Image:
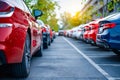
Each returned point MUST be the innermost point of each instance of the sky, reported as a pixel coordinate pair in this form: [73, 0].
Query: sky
[70, 6]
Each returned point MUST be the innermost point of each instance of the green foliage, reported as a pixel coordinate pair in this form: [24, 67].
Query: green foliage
[101, 2]
[53, 22]
[48, 8]
[110, 6]
[28, 2]
[66, 19]
[72, 21]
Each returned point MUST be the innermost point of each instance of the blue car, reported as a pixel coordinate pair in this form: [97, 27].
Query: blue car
[109, 33]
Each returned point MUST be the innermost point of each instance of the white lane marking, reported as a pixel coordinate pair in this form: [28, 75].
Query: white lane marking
[109, 65]
[117, 78]
[91, 61]
[98, 56]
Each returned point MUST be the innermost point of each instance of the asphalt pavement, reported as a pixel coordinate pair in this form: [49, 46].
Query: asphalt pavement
[70, 59]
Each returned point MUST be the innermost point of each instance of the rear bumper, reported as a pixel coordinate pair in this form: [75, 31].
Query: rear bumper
[12, 45]
[115, 44]
[102, 43]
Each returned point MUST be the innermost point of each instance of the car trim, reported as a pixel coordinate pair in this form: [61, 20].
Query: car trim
[5, 25]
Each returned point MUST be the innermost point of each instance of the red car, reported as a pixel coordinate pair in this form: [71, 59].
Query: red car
[20, 36]
[87, 30]
[51, 33]
[45, 33]
[93, 32]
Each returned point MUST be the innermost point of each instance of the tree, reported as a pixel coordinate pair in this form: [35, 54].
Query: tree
[66, 19]
[48, 8]
[53, 22]
[71, 21]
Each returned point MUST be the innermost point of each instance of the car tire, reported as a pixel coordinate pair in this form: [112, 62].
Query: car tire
[45, 45]
[116, 51]
[52, 40]
[49, 41]
[23, 69]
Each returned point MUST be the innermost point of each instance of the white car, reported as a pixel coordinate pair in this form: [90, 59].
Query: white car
[79, 31]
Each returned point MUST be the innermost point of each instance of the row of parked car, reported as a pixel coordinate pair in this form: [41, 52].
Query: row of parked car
[104, 32]
[22, 35]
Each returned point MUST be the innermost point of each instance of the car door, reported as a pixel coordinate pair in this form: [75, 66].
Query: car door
[35, 33]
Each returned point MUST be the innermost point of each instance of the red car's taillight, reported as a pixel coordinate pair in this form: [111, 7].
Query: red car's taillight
[109, 25]
[5, 9]
[44, 30]
[94, 26]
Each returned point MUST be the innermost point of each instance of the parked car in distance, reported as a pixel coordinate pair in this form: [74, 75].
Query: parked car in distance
[93, 32]
[20, 36]
[109, 33]
[75, 32]
[45, 34]
[87, 30]
[79, 31]
[54, 34]
[61, 32]
[51, 34]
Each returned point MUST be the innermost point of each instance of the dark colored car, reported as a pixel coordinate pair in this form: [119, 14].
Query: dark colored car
[54, 35]
[109, 33]
[51, 33]
[45, 34]
[20, 36]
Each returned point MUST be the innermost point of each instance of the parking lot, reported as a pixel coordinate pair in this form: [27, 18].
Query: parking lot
[70, 59]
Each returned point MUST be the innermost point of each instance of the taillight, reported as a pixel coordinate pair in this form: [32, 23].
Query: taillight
[86, 28]
[2, 25]
[44, 30]
[94, 26]
[5, 9]
[109, 25]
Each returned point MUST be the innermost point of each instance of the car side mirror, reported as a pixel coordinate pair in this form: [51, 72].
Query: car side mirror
[37, 13]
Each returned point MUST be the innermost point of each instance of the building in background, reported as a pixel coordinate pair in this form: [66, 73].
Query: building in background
[99, 8]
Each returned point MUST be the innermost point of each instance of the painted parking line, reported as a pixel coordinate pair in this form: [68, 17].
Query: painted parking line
[117, 78]
[109, 65]
[98, 56]
[90, 61]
